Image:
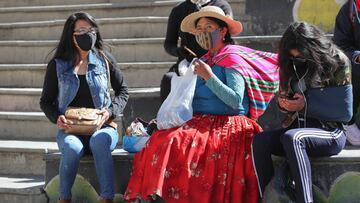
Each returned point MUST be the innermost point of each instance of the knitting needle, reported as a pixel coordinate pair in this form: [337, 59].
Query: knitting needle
[189, 50]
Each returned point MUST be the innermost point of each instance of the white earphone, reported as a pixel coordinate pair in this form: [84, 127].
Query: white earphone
[300, 85]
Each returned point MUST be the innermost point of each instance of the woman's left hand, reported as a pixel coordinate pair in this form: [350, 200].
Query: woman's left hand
[296, 103]
[105, 116]
[202, 69]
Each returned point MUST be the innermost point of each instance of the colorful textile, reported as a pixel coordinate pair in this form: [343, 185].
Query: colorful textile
[259, 69]
[207, 160]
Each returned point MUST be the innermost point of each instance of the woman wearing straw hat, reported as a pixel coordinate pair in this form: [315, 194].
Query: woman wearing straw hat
[176, 42]
[208, 159]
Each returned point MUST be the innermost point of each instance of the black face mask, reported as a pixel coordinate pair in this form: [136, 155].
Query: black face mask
[299, 62]
[300, 65]
[86, 41]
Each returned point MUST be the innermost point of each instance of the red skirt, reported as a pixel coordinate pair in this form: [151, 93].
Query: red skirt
[206, 160]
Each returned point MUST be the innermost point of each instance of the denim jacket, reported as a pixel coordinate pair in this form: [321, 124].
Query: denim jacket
[96, 76]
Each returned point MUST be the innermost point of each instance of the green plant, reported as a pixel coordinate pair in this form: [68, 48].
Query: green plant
[82, 191]
[344, 189]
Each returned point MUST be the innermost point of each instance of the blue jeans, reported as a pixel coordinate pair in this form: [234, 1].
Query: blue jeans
[73, 147]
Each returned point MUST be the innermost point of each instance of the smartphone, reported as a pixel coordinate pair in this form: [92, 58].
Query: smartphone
[287, 96]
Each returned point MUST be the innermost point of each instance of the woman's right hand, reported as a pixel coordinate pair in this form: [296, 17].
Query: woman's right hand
[202, 69]
[296, 103]
[62, 123]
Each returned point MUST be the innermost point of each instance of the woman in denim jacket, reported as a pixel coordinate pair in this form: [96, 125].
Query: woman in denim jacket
[77, 76]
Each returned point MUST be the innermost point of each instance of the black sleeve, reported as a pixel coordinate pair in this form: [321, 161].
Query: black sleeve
[225, 6]
[48, 100]
[120, 88]
[172, 33]
[343, 32]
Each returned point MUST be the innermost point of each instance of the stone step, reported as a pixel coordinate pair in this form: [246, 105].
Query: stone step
[32, 126]
[99, 10]
[19, 157]
[325, 169]
[22, 188]
[137, 74]
[126, 27]
[12, 3]
[22, 124]
[124, 50]
[27, 99]
[143, 102]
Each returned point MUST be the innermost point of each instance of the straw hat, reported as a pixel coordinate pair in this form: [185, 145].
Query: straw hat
[188, 24]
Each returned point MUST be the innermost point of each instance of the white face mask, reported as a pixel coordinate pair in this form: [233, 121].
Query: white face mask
[201, 2]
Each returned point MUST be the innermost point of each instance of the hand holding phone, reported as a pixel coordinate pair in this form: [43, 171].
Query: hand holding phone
[284, 95]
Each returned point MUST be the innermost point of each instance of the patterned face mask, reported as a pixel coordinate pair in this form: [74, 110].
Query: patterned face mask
[207, 40]
[201, 2]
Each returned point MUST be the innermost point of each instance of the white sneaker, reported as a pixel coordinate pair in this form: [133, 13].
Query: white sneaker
[353, 134]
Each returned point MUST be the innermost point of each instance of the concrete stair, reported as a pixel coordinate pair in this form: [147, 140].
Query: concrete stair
[137, 74]
[22, 189]
[13, 3]
[23, 119]
[124, 50]
[324, 170]
[26, 126]
[125, 27]
[27, 99]
[98, 10]
[18, 153]
[29, 30]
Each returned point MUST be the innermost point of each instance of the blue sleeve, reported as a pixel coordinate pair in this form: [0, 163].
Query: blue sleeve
[231, 93]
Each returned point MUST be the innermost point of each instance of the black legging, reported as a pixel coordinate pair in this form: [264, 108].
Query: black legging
[356, 95]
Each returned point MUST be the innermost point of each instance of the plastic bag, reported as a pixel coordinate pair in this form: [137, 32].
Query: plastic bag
[134, 144]
[136, 136]
[177, 108]
[183, 67]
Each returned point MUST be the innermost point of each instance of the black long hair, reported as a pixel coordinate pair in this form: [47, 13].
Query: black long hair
[312, 43]
[66, 48]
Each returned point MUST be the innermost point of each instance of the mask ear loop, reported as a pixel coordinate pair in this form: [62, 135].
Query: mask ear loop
[302, 93]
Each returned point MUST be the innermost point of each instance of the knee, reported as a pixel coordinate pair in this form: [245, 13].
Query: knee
[289, 138]
[260, 144]
[71, 149]
[100, 141]
[259, 140]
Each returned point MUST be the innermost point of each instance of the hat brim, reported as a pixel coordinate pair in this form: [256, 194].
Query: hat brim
[188, 24]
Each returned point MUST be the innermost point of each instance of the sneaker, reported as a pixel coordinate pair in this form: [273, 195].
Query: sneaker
[352, 133]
